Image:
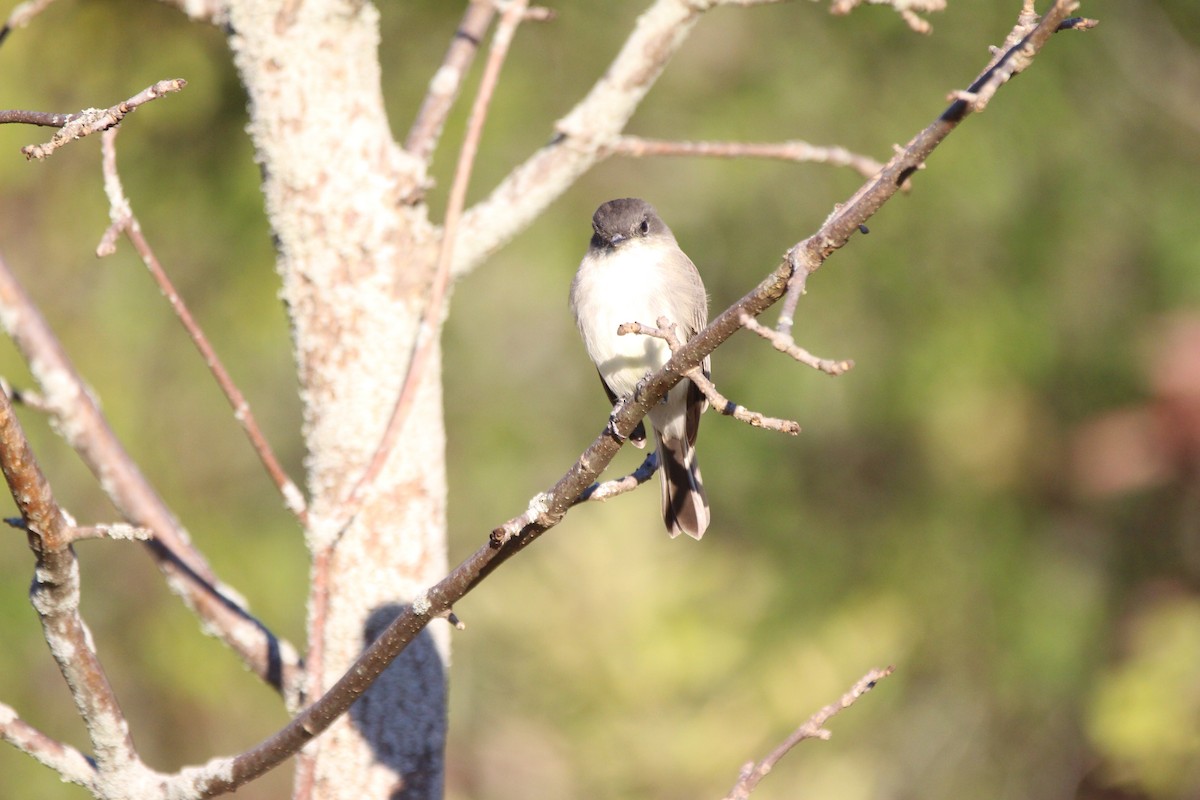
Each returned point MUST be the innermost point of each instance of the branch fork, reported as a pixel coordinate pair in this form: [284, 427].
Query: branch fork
[668, 332]
[88, 121]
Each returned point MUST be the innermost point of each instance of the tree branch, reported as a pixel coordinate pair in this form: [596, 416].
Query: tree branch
[667, 331]
[795, 151]
[70, 764]
[90, 120]
[78, 418]
[124, 222]
[814, 728]
[1029, 36]
[584, 134]
[443, 90]
[427, 335]
[909, 10]
[55, 597]
[21, 16]
[607, 490]
[785, 344]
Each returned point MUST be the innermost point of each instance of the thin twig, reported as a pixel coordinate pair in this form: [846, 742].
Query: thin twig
[443, 90]
[28, 398]
[115, 530]
[124, 221]
[909, 10]
[1014, 61]
[21, 16]
[427, 333]
[70, 764]
[785, 344]
[90, 120]
[725, 406]
[582, 135]
[796, 151]
[667, 331]
[814, 728]
[599, 492]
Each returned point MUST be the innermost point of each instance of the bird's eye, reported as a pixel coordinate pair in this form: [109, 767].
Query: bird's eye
[645, 226]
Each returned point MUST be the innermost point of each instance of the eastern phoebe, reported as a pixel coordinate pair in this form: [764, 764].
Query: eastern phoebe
[634, 271]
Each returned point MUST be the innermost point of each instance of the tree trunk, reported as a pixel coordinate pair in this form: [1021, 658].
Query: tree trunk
[355, 262]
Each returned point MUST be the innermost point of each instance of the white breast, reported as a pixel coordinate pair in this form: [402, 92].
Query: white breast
[626, 286]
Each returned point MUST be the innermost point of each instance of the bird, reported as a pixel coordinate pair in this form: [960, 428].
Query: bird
[635, 271]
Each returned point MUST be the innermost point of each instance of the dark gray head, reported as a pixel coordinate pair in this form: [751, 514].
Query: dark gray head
[624, 220]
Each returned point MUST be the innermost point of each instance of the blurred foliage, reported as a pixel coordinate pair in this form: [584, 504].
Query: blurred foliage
[1001, 499]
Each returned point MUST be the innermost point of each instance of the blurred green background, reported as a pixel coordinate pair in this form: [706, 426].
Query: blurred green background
[1001, 499]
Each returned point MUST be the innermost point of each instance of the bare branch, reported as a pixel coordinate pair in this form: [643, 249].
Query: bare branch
[785, 344]
[21, 16]
[78, 418]
[443, 90]
[124, 221]
[28, 398]
[814, 728]
[850, 217]
[1016, 60]
[607, 490]
[667, 331]
[115, 530]
[725, 406]
[75, 533]
[70, 764]
[592, 125]
[427, 335]
[215, 12]
[55, 596]
[909, 10]
[797, 151]
[88, 121]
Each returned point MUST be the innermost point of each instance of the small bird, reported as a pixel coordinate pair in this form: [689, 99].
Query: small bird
[634, 271]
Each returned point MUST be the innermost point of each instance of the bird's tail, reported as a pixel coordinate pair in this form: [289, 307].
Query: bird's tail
[684, 505]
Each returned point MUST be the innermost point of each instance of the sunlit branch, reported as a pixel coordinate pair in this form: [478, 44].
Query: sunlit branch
[78, 418]
[794, 151]
[813, 728]
[86, 122]
[125, 222]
